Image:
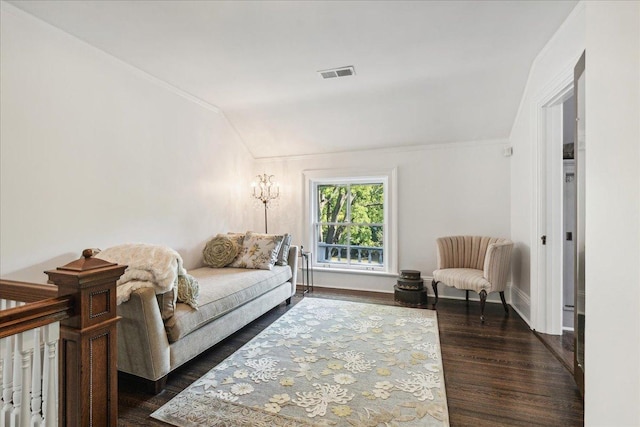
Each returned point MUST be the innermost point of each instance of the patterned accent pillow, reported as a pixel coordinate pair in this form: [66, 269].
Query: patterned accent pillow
[239, 239]
[188, 290]
[259, 251]
[283, 254]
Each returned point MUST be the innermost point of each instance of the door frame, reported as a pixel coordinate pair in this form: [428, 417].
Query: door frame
[546, 260]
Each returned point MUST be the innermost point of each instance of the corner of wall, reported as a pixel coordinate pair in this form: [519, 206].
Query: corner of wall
[520, 302]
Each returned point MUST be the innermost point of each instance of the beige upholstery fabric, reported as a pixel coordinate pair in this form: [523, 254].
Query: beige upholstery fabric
[221, 291]
[167, 303]
[143, 344]
[473, 262]
[143, 347]
[204, 337]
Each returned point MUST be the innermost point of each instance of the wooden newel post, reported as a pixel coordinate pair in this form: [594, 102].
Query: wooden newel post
[88, 390]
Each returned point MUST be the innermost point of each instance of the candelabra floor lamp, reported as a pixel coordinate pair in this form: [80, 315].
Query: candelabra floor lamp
[265, 190]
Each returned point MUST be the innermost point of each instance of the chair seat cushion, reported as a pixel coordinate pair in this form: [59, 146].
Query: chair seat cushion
[463, 278]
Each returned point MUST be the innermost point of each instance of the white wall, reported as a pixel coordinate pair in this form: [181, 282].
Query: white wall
[610, 32]
[555, 61]
[442, 190]
[612, 349]
[94, 153]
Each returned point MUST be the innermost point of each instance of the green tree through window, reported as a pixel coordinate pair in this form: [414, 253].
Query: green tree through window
[350, 223]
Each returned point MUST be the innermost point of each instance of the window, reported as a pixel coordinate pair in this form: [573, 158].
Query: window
[350, 222]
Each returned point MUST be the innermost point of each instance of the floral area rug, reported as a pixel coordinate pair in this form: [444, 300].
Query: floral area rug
[325, 363]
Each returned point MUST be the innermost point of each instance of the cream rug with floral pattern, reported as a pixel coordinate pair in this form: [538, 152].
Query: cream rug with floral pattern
[325, 363]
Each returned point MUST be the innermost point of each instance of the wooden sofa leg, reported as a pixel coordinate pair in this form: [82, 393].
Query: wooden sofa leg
[149, 386]
[434, 285]
[504, 303]
[288, 301]
[156, 387]
[467, 297]
[483, 300]
[144, 384]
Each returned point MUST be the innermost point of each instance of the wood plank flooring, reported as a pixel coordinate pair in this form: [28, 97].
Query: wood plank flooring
[496, 374]
[561, 346]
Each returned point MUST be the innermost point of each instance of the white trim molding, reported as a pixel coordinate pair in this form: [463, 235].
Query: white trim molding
[391, 208]
[545, 304]
[521, 303]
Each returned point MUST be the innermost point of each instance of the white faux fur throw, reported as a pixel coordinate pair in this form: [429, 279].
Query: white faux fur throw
[150, 266]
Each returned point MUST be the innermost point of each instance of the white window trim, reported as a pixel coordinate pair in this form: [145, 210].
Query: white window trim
[311, 177]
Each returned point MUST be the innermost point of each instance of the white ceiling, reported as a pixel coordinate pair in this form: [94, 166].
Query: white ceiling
[426, 72]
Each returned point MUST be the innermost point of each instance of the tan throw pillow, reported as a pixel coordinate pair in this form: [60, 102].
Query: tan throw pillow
[220, 251]
[283, 254]
[167, 303]
[259, 251]
[188, 290]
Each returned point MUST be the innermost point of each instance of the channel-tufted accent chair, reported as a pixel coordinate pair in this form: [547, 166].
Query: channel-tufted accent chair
[473, 263]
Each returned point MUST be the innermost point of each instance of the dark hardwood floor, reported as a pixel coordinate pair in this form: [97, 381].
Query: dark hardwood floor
[496, 374]
[561, 346]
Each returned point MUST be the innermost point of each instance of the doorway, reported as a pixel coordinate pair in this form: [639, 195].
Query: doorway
[556, 224]
[547, 302]
[548, 229]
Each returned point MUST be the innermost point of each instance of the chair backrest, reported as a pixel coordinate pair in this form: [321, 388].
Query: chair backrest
[464, 251]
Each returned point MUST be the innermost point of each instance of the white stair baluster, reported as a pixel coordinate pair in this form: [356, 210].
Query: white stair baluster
[2, 345]
[14, 416]
[36, 381]
[7, 382]
[7, 378]
[3, 306]
[50, 375]
[22, 381]
[26, 353]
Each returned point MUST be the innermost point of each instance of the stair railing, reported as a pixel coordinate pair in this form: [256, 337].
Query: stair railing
[58, 347]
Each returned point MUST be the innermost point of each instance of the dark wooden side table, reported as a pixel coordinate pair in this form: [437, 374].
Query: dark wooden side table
[307, 271]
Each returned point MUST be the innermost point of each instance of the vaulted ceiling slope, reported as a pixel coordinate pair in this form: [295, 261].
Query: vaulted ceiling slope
[426, 72]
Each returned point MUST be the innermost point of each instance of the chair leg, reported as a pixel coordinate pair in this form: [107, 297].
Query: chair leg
[504, 303]
[434, 285]
[467, 297]
[483, 300]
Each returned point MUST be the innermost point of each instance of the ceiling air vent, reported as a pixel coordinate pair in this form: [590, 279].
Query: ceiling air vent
[337, 72]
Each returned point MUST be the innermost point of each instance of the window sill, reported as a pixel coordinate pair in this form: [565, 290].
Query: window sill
[317, 268]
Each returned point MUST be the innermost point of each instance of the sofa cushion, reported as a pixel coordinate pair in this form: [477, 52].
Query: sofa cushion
[221, 291]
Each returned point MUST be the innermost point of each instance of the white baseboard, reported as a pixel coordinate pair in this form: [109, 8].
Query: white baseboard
[385, 285]
[521, 303]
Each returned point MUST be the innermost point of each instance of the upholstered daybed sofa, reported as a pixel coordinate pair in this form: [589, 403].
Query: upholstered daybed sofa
[157, 334]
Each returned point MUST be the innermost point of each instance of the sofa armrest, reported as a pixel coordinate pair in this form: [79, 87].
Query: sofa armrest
[496, 264]
[143, 347]
[293, 263]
